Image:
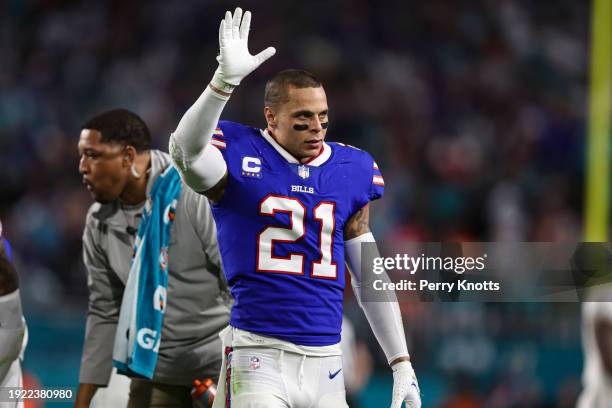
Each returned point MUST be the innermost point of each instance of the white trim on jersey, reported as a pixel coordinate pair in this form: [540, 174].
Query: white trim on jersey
[318, 161]
[218, 143]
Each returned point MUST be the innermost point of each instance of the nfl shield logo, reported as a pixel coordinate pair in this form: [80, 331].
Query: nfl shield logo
[254, 363]
[303, 172]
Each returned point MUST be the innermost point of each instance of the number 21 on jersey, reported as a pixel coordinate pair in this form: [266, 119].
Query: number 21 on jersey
[294, 262]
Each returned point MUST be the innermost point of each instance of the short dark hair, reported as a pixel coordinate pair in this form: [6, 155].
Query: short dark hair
[121, 126]
[277, 88]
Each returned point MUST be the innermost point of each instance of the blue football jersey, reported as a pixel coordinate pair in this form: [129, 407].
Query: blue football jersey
[280, 229]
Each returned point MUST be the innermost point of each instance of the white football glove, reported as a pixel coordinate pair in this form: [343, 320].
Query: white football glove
[235, 60]
[405, 386]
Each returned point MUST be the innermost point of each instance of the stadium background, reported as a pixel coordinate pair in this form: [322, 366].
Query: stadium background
[474, 110]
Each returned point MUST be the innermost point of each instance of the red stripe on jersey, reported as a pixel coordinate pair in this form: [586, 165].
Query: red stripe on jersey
[312, 158]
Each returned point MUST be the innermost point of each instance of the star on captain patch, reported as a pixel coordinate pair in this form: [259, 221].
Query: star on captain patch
[303, 172]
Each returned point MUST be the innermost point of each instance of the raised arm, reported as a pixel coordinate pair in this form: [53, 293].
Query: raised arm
[384, 317]
[201, 164]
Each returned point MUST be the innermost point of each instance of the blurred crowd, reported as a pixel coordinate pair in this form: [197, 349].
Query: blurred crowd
[474, 111]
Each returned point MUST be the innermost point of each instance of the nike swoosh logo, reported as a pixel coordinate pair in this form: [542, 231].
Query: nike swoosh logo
[332, 375]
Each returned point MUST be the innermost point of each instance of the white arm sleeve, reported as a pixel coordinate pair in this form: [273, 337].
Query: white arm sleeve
[12, 331]
[384, 317]
[201, 164]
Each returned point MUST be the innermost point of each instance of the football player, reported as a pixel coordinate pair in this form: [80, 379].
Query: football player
[290, 209]
[12, 324]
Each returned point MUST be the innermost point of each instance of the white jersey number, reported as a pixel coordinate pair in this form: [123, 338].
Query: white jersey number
[294, 262]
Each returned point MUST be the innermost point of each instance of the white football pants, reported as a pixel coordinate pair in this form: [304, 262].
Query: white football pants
[262, 377]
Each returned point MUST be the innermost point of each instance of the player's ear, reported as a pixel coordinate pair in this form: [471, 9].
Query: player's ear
[129, 155]
[270, 117]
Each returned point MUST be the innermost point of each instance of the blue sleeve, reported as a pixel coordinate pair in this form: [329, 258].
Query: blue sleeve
[230, 138]
[221, 136]
[368, 181]
[377, 188]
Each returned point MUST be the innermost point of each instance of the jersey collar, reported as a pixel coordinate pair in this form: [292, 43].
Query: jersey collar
[316, 161]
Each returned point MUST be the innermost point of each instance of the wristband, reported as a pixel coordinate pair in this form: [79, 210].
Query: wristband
[221, 87]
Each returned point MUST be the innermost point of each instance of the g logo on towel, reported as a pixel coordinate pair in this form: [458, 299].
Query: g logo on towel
[146, 339]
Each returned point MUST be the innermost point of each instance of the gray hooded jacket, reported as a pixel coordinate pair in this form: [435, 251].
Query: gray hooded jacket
[198, 302]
